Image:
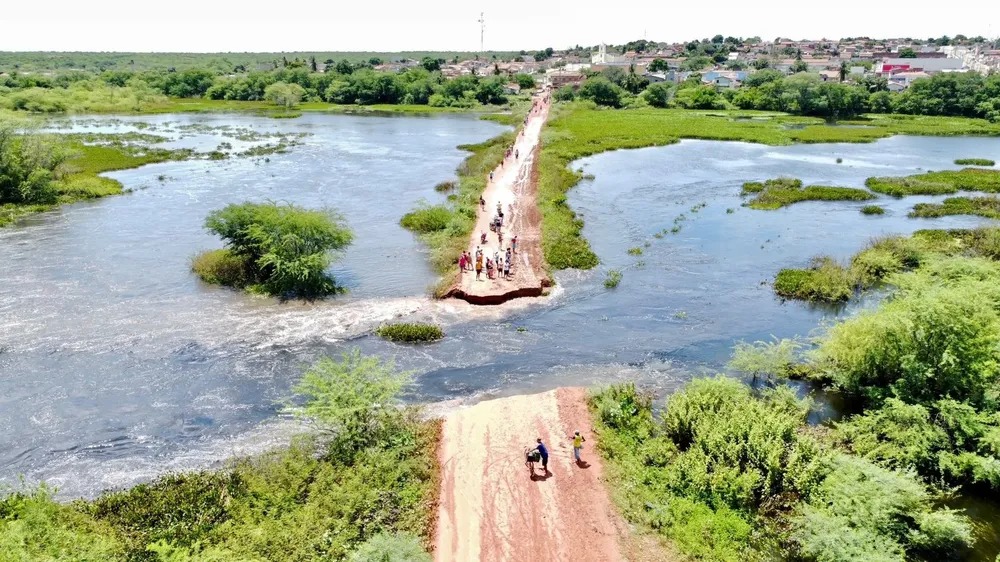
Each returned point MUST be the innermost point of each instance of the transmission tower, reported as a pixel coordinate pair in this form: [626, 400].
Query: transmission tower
[482, 31]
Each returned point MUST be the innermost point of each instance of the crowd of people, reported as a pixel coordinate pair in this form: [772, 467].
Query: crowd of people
[498, 264]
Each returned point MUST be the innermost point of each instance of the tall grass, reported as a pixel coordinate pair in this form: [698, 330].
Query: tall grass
[776, 193]
[938, 183]
[988, 207]
[410, 332]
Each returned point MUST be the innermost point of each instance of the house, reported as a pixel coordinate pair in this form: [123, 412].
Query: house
[558, 79]
[724, 78]
[888, 65]
[513, 88]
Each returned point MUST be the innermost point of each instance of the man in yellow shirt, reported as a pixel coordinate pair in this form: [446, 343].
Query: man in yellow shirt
[578, 445]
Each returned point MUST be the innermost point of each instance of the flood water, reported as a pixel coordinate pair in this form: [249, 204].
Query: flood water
[117, 364]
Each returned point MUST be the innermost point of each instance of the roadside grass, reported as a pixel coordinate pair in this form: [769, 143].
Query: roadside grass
[777, 193]
[410, 332]
[944, 182]
[974, 162]
[988, 207]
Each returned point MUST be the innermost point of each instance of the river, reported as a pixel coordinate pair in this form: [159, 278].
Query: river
[117, 364]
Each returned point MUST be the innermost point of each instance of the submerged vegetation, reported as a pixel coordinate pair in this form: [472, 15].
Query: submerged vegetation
[281, 250]
[410, 332]
[938, 183]
[777, 193]
[974, 162]
[364, 484]
[988, 207]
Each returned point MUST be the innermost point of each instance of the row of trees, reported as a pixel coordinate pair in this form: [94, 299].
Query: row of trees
[952, 94]
[355, 85]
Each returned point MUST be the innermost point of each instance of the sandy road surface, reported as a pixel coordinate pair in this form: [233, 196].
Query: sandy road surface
[492, 508]
[514, 188]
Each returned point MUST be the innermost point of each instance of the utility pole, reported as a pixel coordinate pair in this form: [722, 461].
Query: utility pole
[482, 32]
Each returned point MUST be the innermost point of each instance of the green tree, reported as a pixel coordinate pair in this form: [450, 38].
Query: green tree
[27, 164]
[799, 66]
[525, 81]
[658, 94]
[285, 95]
[490, 92]
[286, 248]
[430, 64]
[907, 53]
[601, 91]
[344, 67]
[658, 65]
[355, 398]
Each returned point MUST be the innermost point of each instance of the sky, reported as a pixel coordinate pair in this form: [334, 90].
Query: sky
[451, 25]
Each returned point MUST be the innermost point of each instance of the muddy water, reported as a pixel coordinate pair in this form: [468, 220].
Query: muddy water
[117, 364]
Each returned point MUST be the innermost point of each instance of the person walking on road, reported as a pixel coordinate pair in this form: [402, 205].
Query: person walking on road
[544, 454]
[578, 445]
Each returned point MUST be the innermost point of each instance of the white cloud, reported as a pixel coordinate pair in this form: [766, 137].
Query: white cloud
[393, 25]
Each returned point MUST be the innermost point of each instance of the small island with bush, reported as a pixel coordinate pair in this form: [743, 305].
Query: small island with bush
[404, 332]
[781, 192]
[274, 249]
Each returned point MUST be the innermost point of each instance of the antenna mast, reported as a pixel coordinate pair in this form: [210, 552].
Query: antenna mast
[482, 31]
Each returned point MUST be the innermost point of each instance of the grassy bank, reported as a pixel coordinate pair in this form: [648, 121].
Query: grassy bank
[781, 192]
[363, 486]
[202, 105]
[579, 129]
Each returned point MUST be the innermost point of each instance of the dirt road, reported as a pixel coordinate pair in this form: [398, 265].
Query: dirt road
[493, 509]
[513, 189]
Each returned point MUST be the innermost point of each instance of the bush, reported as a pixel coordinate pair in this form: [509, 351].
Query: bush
[221, 267]
[385, 547]
[445, 187]
[410, 333]
[612, 279]
[974, 162]
[825, 280]
[872, 210]
[286, 248]
[427, 219]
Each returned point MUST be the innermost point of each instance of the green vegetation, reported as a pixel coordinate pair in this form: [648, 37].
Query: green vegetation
[974, 162]
[938, 183]
[872, 210]
[730, 475]
[988, 207]
[636, 251]
[824, 280]
[612, 279]
[410, 332]
[276, 249]
[363, 485]
[781, 192]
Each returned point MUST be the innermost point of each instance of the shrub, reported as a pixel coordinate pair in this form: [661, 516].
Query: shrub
[764, 358]
[445, 187]
[33, 526]
[825, 280]
[221, 267]
[872, 210]
[385, 547]
[410, 333]
[286, 248]
[612, 279]
[427, 219]
[974, 162]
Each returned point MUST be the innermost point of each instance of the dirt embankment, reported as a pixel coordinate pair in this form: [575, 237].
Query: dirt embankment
[492, 508]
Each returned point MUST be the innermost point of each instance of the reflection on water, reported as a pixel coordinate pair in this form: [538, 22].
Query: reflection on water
[117, 362]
